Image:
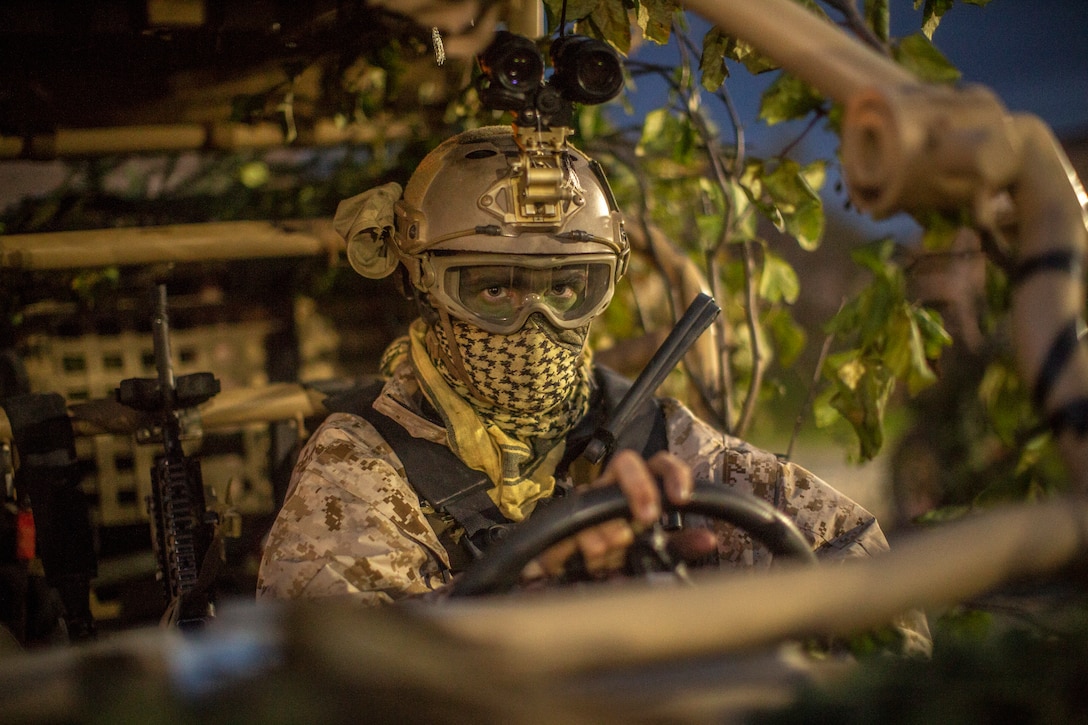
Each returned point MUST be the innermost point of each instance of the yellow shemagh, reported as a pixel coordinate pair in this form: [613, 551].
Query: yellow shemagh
[519, 452]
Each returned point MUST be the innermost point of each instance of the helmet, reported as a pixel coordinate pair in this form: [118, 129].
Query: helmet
[495, 226]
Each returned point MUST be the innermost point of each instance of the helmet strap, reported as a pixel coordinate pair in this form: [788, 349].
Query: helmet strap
[403, 283]
[453, 359]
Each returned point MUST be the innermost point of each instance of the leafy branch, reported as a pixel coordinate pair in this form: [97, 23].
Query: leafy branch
[712, 198]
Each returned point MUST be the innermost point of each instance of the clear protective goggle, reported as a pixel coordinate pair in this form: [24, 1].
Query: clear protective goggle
[498, 292]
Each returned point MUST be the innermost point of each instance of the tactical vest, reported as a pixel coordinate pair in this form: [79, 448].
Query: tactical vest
[452, 488]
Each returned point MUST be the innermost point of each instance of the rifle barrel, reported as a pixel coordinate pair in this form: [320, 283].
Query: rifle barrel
[161, 337]
[698, 316]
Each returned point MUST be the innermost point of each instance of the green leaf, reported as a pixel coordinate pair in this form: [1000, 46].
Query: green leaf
[919, 55]
[845, 368]
[779, 282]
[787, 98]
[789, 337]
[1032, 452]
[879, 301]
[712, 61]
[89, 284]
[806, 225]
[655, 19]
[943, 515]
[709, 217]
[934, 336]
[932, 13]
[815, 174]
[653, 127]
[742, 52]
[863, 404]
[576, 10]
[994, 381]
[875, 642]
[710, 229]
[792, 191]
[845, 321]
[610, 21]
[787, 185]
[590, 122]
[878, 17]
[745, 221]
[897, 349]
[906, 351]
[939, 230]
[672, 143]
[875, 256]
[823, 412]
[686, 143]
[962, 624]
[1005, 399]
[752, 181]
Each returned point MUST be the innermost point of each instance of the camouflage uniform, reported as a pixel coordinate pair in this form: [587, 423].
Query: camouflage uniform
[352, 525]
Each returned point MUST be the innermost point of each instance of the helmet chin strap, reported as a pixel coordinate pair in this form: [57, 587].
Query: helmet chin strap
[433, 316]
[454, 362]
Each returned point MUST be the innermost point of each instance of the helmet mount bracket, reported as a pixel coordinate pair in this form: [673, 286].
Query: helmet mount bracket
[541, 187]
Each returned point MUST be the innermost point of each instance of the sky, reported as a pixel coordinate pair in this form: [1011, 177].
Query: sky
[1032, 53]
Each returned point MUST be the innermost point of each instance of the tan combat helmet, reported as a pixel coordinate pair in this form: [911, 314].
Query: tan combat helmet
[488, 209]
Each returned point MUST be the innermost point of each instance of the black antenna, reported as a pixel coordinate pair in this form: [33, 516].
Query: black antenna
[563, 20]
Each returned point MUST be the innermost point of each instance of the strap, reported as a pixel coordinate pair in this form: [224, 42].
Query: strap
[41, 429]
[1061, 349]
[444, 480]
[1058, 260]
[433, 470]
[1071, 416]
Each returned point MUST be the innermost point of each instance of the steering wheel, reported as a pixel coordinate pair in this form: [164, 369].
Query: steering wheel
[499, 569]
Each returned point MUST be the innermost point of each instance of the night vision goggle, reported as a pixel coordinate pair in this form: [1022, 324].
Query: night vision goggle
[586, 71]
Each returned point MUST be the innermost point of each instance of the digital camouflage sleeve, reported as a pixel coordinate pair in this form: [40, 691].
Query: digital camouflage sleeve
[350, 524]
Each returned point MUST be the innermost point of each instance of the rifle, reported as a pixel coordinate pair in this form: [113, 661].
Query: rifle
[698, 316]
[182, 528]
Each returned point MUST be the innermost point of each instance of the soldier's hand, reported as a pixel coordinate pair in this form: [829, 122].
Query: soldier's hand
[603, 548]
